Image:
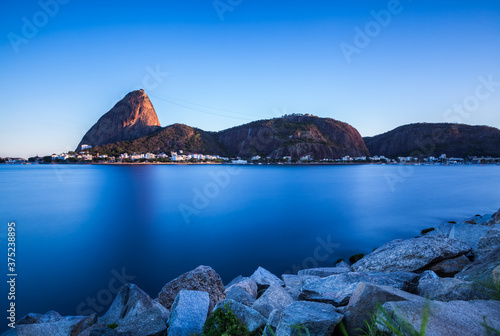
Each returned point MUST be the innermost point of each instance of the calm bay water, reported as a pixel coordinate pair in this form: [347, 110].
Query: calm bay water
[80, 226]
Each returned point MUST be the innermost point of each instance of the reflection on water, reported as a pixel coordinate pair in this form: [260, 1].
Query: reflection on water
[79, 224]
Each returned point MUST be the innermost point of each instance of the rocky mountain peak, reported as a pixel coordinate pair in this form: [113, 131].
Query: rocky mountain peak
[131, 118]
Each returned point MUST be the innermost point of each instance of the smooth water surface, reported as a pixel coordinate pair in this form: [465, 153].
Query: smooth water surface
[78, 226]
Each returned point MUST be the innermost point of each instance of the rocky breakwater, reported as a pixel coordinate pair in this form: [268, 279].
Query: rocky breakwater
[449, 277]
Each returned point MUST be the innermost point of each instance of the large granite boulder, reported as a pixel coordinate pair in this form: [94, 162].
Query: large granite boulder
[250, 317]
[189, 313]
[135, 312]
[203, 278]
[240, 295]
[324, 272]
[451, 289]
[488, 243]
[468, 233]
[449, 267]
[495, 218]
[320, 319]
[338, 289]
[247, 284]
[51, 324]
[411, 254]
[362, 304]
[264, 278]
[482, 270]
[454, 318]
[275, 297]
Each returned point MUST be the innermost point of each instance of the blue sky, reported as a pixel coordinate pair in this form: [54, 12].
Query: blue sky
[257, 59]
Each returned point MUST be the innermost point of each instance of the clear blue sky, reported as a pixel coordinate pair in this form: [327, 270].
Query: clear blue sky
[263, 59]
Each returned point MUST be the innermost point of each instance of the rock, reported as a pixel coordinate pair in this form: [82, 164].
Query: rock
[247, 284]
[203, 278]
[240, 295]
[455, 318]
[319, 318]
[363, 302]
[293, 285]
[451, 289]
[48, 317]
[104, 331]
[481, 270]
[342, 263]
[355, 258]
[272, 323]
[264, 278]
[411, 254]
[426, 231]
[467, 233]
[427, 275]
[488, 243]
[189, 313]
[337, 289]
[495, 218]
[275, 297]
[132, 117]
[51, 324]
[323, 272]
[130, 303]
[450, 267]
[250, 317]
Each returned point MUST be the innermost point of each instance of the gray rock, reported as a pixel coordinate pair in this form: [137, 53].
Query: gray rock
[51, 324]
[410, 255]
[248, 284]
[343, 264]
[450, 267]
[250, 317]
[427, 275]
[488, 243]
[495, 218]
[324, 272]
[481, 270]
[337, 289]
[129, 303]
[189, 313]
[203, 278]
[320, 319]
[275, 297]
[455, 318]
[362, 304]
[240, 295]
[451, 289]
[104, 331]
[234, 281]
[272, 323]
[465, 232]
[293, 285]
[264, 278]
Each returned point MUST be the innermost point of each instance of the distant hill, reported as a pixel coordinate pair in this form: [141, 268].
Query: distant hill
[132, 117]
[428, 139]
[171, 138]
[294, 136]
